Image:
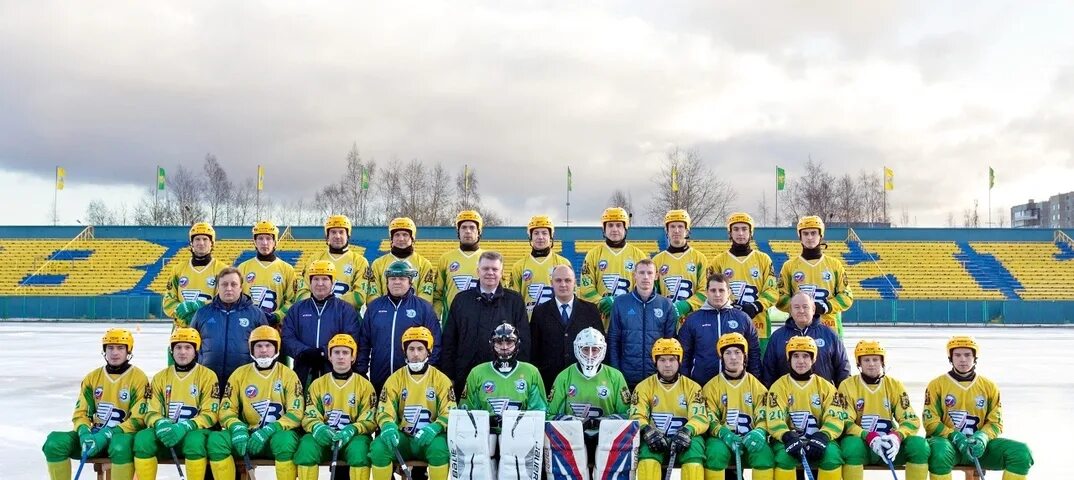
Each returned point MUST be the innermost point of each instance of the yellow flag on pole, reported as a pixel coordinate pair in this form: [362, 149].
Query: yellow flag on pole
[889, 179]
[260, 178]
[675, 178]
[61, 176]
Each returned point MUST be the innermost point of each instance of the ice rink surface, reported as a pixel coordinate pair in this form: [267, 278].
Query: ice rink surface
[43, 363]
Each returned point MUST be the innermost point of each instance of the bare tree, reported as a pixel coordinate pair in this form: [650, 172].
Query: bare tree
[763, 209]
[98, 213]
[217, 188]
[810, 193]
[950, 222]
[619, 198]
[467, 197]
[685, 182]
[414, 192]
[440, 196]
[847, 200]
[184, 192]
[904, 218]
[1001, 217]
[970, 218]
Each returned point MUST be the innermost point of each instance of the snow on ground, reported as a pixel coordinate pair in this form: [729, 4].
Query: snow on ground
[41, 365]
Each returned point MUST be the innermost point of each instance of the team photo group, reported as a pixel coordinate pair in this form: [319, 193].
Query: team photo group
[636, 365]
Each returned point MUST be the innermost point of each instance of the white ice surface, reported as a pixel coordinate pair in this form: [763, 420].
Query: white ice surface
[41, 365]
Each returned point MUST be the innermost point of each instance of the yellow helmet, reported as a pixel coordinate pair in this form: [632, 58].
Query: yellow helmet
[811, 221]
[186, 334]
[420, 334]
[677, 216]
[403, 223]
[118, 336]
[321, 267]
[337, 221]
[962, 341]
[469, 216]
[263, 227]
[869, 347]
[202, 228]
[264, 333]
[615, 214]
[667, 346]
[801, 343]
[739, 217]
[541, 221]
[733, 339]
[343, 340]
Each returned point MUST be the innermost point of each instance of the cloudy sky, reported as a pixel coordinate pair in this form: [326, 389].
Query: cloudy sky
[937, 91]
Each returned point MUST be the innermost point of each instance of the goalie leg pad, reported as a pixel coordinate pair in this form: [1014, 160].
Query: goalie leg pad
[522, 445]
[565, 449]
[467, 438]
[617, 450]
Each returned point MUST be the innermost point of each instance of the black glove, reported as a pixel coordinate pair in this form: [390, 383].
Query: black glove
[752, 309]
[815, 445]
[681, 441]
[495, 422]
[792, 444]
[591, 423]
[654, 439]
[823, 307]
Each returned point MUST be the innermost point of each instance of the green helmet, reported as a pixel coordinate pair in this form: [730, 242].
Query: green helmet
[400, 268]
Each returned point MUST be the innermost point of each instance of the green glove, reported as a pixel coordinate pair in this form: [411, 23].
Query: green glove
[185, 311]
[170, 434]
[729, 438]
[977, 443]
[346, 434]
[85, 438]
[605, 305]
[323, 435]
[959, 440]
[683, 308]
[755, 440]
[390, 433]
[425, 436]
[261, 436]
[240, 436]
[99, 441]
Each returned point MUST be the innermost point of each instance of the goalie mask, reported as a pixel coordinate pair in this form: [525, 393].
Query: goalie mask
[590, 348]
[504, 344]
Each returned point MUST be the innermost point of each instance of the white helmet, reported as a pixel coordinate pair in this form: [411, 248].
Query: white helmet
[591, 338]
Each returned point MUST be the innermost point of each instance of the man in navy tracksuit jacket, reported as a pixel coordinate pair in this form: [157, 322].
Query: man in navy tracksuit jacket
[312, 322]
[638, 319]
[225, 326]
[386, 318]
[831, 362]
[699, 333]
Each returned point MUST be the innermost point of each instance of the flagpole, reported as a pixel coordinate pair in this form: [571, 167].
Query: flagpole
[568, 221]
[55, 198]
[156, 189]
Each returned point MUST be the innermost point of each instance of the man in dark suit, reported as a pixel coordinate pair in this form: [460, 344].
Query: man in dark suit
[555, 324]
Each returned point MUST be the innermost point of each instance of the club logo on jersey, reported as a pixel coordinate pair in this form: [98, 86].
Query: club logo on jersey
[732, 324]
[251, 391]
[728, 273]
[403, 394]
[500, 405]
[667, 423]
[664, 269]
[520, 386]
[527, 275]
[602, 391]
[194, 391]
[211, 282]
[820, 342]
[278, 386]
[124, 395]
[826, 275]
[804, 422]
[723, 399]
[755, 273]
[108, 415]
[98, 393]
[602, 265]
[410, 313]
[658, 312]
[682, 400]
[887, 405]
[454, 267]
[859, 404]
[949, 400]
[815, 400]
[250, 277]
[690, 267]
[572, 391]
[464, 282]
[586, 410]
[326, 400]
[277, 278]
[183, 281]
[417, 416]
[979, 401]
[488, 387]
[749, 398]
[352, 401]
[629, 266]
[799, 277]
[430, 393]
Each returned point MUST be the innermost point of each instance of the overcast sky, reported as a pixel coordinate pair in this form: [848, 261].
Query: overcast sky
[937, 91]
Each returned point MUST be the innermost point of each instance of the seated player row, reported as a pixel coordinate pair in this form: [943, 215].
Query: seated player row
[796, 421]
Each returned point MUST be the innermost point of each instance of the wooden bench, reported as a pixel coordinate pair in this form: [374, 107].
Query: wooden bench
[103, 466]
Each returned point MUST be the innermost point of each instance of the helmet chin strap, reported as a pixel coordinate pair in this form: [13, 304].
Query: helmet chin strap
[265, 363]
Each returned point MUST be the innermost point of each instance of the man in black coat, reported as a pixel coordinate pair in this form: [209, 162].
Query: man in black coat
[555, 324]
[473, 316]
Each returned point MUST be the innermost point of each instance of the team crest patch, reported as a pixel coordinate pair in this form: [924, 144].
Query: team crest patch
[799, 277]
[351, 400]
[520, 386]
[410, 313]
[690, 267]
[949, 400]
[728, 273]
[278, 386]
[572, 391]
[348, 270]
[749, 398]
[211, 282]
[629, 266]
[488, 387]
[820, 342]
[244, 322]
[682, 400]
[250, 277]
[98, 393]
[979, 401]
[454, 267]
[723, 399]
[124, 395]
[326, 400]
[602, 391]
[656, 401]
[658, 312]
[183, 281]
[527, 275]
[167, 391]
[815, 400]
[664, 269]
[859, 404]
[430, 393]
[755, 273]
[602, 265]
[732, 324]
[251, 391]
[827, 276]
[887, 404]
[402, 394]
[277, 278]
[193, 390]
[790, 400]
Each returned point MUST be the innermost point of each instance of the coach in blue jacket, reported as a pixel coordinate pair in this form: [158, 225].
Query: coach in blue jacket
[639, 318]
[831, 362]
[386, 318]
[225, 325]
[312, 322]
[701, 330]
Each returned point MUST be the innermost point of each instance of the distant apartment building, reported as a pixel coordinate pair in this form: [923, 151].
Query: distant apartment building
[1056, 212]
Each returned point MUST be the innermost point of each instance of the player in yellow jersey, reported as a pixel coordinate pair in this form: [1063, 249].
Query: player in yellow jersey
[882, 426]
[749, 274]
[353, 275]
[671, 412]
[963, 419]
[456, 270]
[261, 407]
[805, 413]
[681, 270]
[735, 401]
[412, 411]
[109, 409]
[192, 283]
[607, 269]
[402, 233]
[531, 276]
[820, 276]
[339, 415]
[183, 404]
[269, 281]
